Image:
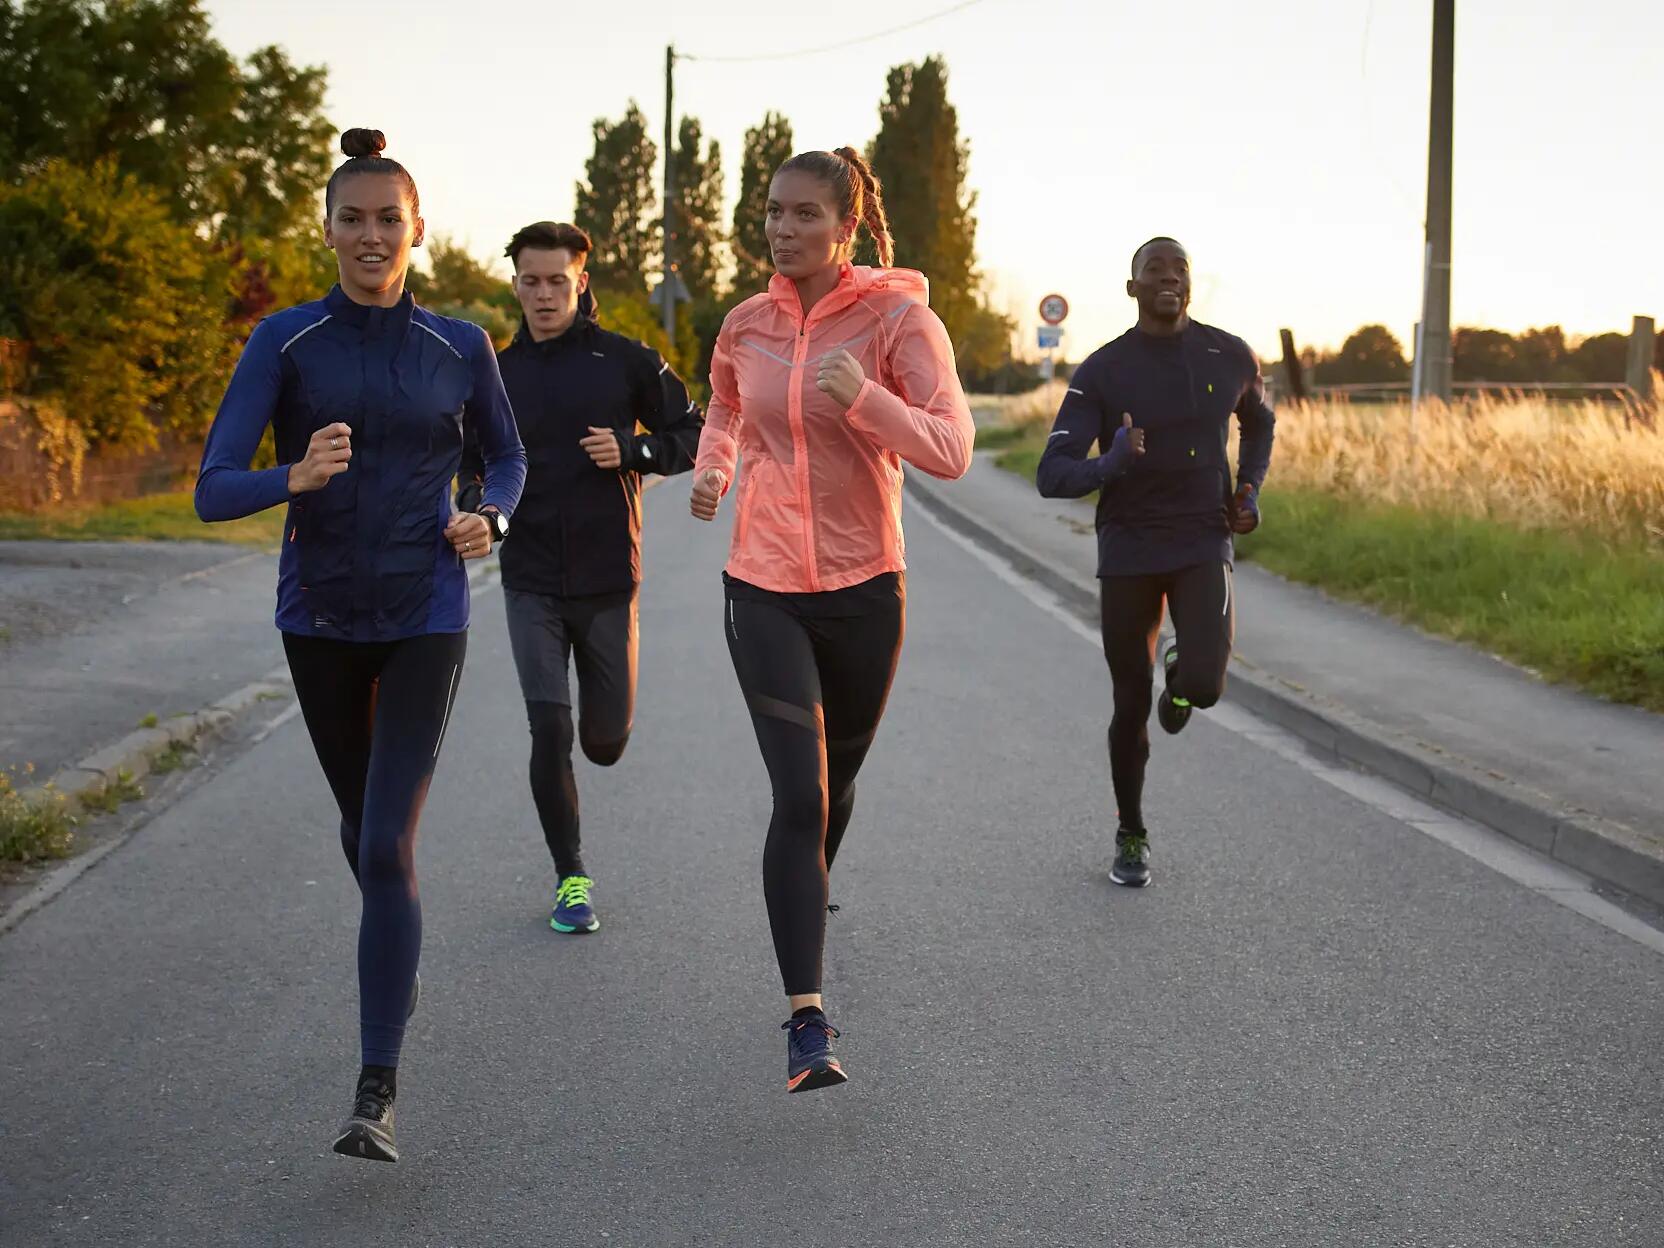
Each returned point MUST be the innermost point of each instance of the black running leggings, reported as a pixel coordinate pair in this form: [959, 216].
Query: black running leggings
[377, 713]
[1200, 600]
[815, 685]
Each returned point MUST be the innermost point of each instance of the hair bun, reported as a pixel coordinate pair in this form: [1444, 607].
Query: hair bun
[361, 143]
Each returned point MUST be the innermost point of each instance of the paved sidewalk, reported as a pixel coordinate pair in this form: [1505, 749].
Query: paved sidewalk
[102, 634]
[1537, 761]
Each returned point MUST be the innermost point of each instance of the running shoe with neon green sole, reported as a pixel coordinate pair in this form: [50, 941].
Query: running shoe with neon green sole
[573, 912]
[1173, 713]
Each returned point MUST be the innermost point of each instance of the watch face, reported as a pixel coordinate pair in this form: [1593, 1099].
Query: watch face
[500, 524]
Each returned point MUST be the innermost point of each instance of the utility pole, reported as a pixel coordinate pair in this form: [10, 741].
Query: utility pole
[1434, 357]
[668, 290]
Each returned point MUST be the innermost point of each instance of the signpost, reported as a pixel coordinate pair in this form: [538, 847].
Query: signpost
[1053, 310]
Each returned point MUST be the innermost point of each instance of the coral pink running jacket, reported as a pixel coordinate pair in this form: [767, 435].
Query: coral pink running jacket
[820, 488]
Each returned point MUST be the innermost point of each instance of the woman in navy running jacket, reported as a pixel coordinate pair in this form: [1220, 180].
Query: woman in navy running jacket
[367, 395]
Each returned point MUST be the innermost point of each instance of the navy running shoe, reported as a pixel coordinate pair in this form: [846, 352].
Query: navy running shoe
[573, 911]
[810, 1062]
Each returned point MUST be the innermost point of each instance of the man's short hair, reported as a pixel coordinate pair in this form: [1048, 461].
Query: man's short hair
[1160, 238]
[549, 236]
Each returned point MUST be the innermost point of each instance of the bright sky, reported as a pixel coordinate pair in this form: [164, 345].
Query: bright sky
[1284, 143]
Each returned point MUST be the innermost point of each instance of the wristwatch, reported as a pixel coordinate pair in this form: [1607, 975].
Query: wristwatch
[497, 523]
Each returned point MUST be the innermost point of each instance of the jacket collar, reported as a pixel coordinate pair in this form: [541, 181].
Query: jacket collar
[854, 281]
[373, 321]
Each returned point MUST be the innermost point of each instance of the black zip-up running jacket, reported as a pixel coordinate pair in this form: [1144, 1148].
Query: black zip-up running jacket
[577, 530]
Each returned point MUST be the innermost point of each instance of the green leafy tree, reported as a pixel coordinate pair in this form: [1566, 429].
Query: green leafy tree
[616, 202]
[236, 150]
[699, 234]
[922, 163]
[1371, 355]
[122, 305]
[768, 145]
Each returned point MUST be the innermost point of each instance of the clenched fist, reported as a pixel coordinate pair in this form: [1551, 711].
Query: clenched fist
[707, 494]
[328, 455]
[841, 377]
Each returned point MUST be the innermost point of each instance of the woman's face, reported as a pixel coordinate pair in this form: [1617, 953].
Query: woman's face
[804, 232]
[371, 230]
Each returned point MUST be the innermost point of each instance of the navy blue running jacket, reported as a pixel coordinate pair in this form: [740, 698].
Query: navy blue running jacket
[365, 558]
[1171, 508]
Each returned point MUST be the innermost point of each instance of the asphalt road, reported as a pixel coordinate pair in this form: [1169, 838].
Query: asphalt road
[1319, 1026]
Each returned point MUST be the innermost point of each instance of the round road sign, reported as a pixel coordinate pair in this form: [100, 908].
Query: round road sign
[1053, 308]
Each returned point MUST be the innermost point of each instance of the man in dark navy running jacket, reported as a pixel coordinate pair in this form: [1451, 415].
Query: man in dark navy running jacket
[572, 567]
[1158, 403]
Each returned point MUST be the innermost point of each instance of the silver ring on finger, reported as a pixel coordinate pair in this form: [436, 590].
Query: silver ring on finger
[334, 442]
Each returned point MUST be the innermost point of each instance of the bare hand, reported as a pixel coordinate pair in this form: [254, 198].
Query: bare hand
[1245, 511]
[469, 535]
[328, 455]
[707, 494]
[840, 376]
[602, 446]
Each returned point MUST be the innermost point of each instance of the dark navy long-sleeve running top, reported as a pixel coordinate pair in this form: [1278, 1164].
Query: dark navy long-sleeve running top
[1170, 508]
[365, 558]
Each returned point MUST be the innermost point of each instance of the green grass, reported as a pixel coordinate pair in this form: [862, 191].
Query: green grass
[33, 831]
[108, 798]
[1573, 607]
[178, 754]
[159, 517]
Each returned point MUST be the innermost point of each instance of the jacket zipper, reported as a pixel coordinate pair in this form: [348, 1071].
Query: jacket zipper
[800, 442]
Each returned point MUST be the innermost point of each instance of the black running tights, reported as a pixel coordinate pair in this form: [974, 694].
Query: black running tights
[377, 713]
[816, 689]
[1200, 600]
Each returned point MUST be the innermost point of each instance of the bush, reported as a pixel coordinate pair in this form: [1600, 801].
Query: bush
[32, 830]
[124, 308]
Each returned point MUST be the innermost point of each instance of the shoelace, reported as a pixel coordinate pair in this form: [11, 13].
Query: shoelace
[574, 891]
[798, 1024]
[1135, 846]
[372, 1103]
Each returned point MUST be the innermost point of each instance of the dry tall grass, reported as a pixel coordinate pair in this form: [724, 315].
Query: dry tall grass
[1528, 461]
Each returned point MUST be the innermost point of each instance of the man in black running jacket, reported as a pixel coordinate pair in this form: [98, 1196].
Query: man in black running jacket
[1158, 403]
[572, 566]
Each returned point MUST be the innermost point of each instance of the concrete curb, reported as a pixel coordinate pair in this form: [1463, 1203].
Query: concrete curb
[134, 755]
[1611, 853]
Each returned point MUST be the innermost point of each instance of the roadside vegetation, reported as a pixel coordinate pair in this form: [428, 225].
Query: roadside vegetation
[1528, 528]
[159, 517]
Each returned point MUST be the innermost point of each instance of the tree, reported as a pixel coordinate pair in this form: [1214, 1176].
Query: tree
[699, 234]
[922, 162]
[616, 204]
[768, 145]
[1600, 359]
[234, 150]
[1371, 356]
[122, 305]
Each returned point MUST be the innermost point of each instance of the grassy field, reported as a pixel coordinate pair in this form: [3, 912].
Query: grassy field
[1529, 529]
[161, 517]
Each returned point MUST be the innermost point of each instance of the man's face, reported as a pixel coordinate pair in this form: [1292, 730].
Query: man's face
[1161, 282]
[548, 282]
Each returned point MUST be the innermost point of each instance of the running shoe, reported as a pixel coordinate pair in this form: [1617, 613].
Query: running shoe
[573, 912]
[368, 1133]
[1172, 712]
[1132, 858]
[810, 1062]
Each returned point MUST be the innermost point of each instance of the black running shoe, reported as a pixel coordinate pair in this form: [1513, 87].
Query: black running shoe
[368, 1132]
[1173, 713]
[810, 1062]
[1132, 859]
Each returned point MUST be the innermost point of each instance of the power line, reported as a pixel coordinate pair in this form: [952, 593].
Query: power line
[833, 47]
